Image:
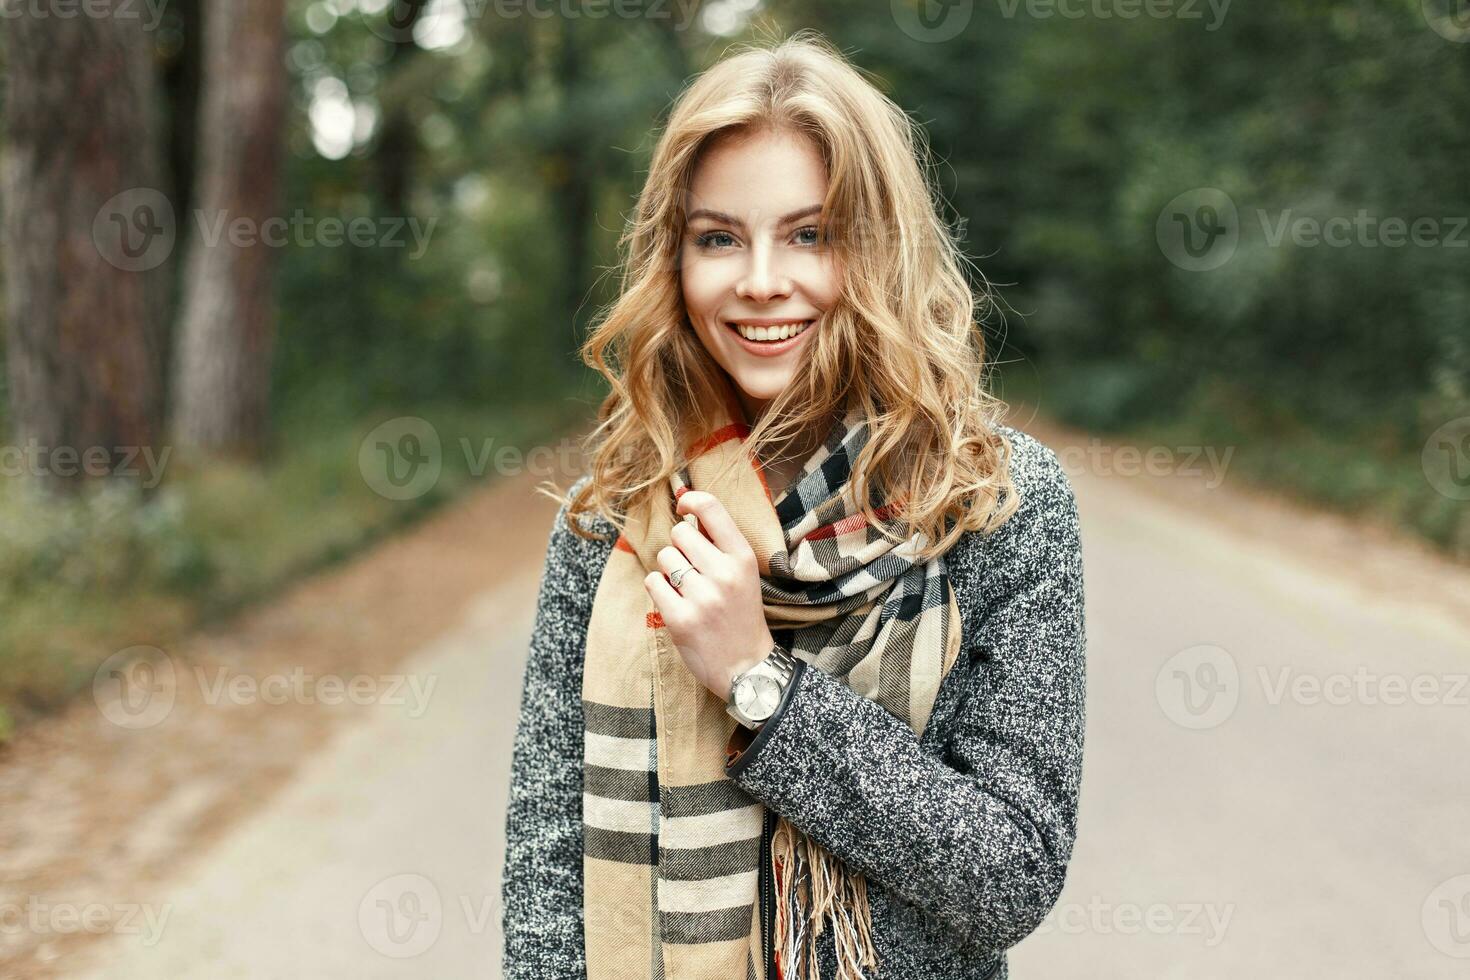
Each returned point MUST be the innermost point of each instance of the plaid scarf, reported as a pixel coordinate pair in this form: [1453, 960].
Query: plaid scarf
[671, 844]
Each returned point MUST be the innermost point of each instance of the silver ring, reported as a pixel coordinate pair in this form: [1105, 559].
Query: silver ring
[678, 576]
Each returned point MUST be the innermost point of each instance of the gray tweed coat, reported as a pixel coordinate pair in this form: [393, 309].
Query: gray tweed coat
[963, 834]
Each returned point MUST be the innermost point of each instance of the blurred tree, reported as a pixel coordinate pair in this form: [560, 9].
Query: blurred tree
[227, 330]
[181, 50]
[86, 238]
[398, 138]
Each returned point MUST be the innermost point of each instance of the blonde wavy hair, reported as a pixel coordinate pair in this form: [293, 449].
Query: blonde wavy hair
[902, 340]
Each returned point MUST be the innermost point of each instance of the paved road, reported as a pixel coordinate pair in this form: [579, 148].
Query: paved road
[1303, 828]
[1254, 804]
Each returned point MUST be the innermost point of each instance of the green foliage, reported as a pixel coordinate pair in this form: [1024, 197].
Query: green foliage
[84, 576]
[106, 538]
[1064, 139]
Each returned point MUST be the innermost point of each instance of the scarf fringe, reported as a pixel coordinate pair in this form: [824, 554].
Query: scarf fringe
[812, 886]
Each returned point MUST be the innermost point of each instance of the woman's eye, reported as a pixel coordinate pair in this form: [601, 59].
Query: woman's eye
[816, 235]
[713, 239]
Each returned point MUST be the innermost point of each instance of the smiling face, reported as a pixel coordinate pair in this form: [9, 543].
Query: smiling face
[755, 272]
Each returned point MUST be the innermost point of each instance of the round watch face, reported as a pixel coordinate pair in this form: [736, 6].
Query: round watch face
[757, 695]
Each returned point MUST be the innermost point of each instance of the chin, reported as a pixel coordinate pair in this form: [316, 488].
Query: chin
[764, 389]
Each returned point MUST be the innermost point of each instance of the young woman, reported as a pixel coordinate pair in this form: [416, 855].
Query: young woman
[835, 721]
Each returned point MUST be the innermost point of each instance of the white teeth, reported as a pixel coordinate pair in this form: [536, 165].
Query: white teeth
[782, 332]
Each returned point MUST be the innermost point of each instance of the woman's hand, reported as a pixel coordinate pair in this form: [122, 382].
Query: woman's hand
[715, 616]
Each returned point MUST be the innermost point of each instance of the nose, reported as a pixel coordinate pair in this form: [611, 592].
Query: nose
[763, 278]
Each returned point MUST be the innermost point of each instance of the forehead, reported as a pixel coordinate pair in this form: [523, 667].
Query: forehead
[767, 174]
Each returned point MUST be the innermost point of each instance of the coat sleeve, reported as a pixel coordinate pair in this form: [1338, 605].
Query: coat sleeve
[541, 885]
[977, 833]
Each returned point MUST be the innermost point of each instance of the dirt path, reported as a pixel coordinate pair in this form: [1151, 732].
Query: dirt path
[381, 857]
[1233, 824]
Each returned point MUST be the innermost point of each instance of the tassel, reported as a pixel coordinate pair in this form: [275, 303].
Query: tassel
[812, 886]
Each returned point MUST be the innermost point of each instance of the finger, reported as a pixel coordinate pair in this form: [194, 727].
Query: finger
[714, 519]
[671, 559]
[665, 597]
[700, 550]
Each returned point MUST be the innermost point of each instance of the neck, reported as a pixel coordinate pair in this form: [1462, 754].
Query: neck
[754, 408]
[786, 457]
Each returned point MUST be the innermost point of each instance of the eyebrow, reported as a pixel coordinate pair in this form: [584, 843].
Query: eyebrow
[730, 220]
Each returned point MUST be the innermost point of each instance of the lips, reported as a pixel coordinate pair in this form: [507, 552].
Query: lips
[768, 348]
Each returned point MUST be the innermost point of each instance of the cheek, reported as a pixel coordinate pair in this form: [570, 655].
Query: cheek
[694, 280]
[824, 281]
[701, 301]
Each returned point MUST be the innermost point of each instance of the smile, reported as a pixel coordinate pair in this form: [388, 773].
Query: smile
[767, 338]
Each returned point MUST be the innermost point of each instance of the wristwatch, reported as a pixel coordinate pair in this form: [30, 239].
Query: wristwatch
[756, 693]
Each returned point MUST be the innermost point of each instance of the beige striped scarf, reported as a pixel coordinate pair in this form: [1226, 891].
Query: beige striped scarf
[671, 844]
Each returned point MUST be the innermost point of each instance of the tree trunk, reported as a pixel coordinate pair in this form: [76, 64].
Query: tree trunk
[87, 237]
[397, 144]
[571, 198]
[227, 331]
[180, 75]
